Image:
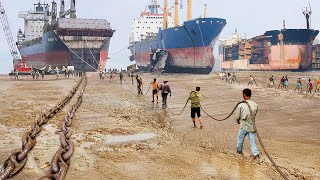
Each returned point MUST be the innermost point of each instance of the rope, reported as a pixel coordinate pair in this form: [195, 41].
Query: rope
[147, 91]
[91, 52]
[258, 136]
[117, 52]
[81, 59]
[181, 111]
[234, 109]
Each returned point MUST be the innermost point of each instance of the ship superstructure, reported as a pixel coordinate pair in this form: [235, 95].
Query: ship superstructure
[166, 45]
[60, 39]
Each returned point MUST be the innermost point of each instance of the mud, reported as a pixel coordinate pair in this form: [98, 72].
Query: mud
[121, 135]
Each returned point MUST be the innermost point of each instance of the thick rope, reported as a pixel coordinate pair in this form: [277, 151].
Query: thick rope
[181, 111]
[258, 135]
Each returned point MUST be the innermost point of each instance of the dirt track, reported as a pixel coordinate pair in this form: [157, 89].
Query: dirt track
[288, 123]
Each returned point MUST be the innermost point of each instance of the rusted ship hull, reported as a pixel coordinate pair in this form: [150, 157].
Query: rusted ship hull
[292, 57]
[288, 49]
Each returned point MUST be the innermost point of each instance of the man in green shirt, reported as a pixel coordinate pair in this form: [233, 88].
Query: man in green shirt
[195, 98]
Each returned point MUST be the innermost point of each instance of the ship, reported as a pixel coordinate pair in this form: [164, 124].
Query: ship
[276, 50]
[159, 43]
[58, 40]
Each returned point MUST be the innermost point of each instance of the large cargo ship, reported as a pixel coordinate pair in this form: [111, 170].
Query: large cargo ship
[285, 49]
[158, 42]
[61, 40]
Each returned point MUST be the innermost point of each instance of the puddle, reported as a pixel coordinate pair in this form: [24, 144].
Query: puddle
[130, 138]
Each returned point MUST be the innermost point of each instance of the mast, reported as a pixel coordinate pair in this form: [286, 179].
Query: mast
[307, 13]
[176, 13]
[189, 15]
[62, 9]
[165, 15]
[73, 9]
[54, 12]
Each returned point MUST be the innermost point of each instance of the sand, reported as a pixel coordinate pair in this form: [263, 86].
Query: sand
[121, 135]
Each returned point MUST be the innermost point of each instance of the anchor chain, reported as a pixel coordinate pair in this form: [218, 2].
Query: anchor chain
[61, 161]
[16, 160]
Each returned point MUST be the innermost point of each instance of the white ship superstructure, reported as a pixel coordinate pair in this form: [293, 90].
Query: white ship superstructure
[148, 24]
[34, 20]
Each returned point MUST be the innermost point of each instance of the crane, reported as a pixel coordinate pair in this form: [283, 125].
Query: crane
[19, 63]
[8, 34]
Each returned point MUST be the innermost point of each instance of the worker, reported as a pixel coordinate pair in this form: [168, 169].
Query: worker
[100, 75]
[132, 78]
[37, 75]
[121, 77]
[111, 77]
[42, 74]
[16, 75]
[33, 74]
[286, 83]
[69, 73]
[281, 85]
[299, 85]
[155, 90]
[195, 98]
[139, 85]
[318, 87]
[251, 80]
[57, 74]
[309, 87]
[234, 78]
[165, 91]
[271, 82]
[246, 114]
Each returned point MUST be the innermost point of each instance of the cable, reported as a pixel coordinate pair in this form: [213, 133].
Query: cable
[81, 59]
[91, 52]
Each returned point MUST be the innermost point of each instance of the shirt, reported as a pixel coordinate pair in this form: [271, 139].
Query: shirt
[154, 85]
[244, 116]
[195, 98]
[165, 89]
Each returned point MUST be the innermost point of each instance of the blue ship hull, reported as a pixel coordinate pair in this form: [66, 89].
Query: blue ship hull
[189, 47]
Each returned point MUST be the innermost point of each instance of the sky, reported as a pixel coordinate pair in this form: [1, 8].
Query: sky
[250, 17]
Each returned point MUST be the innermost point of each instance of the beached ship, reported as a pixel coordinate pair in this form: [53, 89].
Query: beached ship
[159, 43]
[61, 40]
[285, 49]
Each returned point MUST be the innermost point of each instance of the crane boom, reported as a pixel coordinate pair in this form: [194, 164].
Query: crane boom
[8, 34]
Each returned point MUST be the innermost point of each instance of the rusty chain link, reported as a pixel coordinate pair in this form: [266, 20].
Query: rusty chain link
[61, 160]
[16, 160]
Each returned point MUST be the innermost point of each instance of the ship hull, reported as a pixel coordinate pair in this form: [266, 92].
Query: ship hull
[189, 47]
[292, 53]
[53, 50]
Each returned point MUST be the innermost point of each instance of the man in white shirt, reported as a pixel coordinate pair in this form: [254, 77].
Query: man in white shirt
[246, 114]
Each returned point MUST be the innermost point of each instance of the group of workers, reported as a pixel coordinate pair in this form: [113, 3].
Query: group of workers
[245, 112]
[284, 84]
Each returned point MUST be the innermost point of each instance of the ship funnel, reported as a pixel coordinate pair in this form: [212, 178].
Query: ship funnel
[73, 9]
[62, 9]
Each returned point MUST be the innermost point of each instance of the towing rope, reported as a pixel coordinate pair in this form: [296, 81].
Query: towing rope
[147, 91]
[258, 136]
[181, 111]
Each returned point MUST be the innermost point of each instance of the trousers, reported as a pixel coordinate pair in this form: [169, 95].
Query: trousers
[252, 138]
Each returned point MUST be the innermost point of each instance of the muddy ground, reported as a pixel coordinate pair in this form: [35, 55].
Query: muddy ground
[121, 135]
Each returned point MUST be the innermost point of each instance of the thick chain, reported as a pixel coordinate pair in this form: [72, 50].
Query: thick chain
[15, 161]
[61, 160]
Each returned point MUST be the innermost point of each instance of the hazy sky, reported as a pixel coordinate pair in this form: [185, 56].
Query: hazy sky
[252, 17]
